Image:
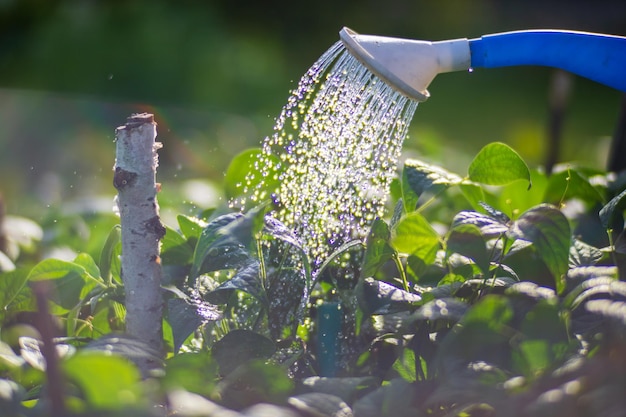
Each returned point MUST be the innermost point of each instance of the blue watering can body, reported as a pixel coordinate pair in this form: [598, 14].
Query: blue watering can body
[600, 58]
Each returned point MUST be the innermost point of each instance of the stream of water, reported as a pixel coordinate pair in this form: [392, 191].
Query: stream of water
[334, 149]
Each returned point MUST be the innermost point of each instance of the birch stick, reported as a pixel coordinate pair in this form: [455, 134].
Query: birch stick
[135, 180]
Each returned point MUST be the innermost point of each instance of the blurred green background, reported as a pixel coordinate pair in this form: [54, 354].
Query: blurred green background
[216, 73]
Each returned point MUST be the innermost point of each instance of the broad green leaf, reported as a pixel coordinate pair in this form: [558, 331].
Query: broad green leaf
[347, 388]
[612, 209]
[405, 365]
[378, 250]
[284, 294]
[446, 309]
[545, 338]
[379, 297]
[319, 404]
[515, 198]
[570, 183]
[548, 230]
[240, 346]
[419, 177]
[489, 226]
[482, 334]
[414, 235]
[109, 382]
[245, 170]
[498, 164]
[583, 254]
[246, 279]
[612, 310]
[190, 227]
[86, 261]
[185, 316]
[11, 284]
[395, 398]
[220, 244]
[467, 240]
[72, 281]
[195, 372]
[175, 249]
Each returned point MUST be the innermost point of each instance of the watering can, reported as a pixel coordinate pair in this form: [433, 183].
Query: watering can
[409, 66]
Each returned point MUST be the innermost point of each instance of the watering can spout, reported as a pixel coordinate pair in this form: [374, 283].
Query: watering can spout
[410, 65]
[407, 65]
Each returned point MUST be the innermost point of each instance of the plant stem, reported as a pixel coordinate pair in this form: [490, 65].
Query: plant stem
[45, 327]
[135, 180]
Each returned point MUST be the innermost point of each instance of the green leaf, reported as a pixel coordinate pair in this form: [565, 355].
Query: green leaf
[246, 279]
[114, 239]
[395, 398]
[378, 250]
[185, 317]
[190, 227]
[544, 338]
[218, 247]
[569, 184]
[548, 230]
[86, 261]
[175, 249]
[379, 297]
[71, 280]
[612, 209]
[109, 382]
[498, 164]
[582, 254]
[489, 226]
[11, 285]
[264, 177]
[414, 235]
[419, 177]
[195, 372]
[240, 346]
[405, 365]
[467, 240]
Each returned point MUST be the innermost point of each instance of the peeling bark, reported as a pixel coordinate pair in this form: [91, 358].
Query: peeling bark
[135, 180]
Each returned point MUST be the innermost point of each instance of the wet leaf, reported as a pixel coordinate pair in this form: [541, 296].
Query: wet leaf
[489, 226]
[612, 209]
[240, 346]
[419, 177]
[320, 405]
[190, 227]
[378, 250]
[346, 388]
[241, 165]
[185, 317]
[246, 279]
[548, 230]
[219, 246]
[447, 309]
[378, 297]
[498, 164]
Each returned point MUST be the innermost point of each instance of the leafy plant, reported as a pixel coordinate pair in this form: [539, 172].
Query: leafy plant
[497, 292]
